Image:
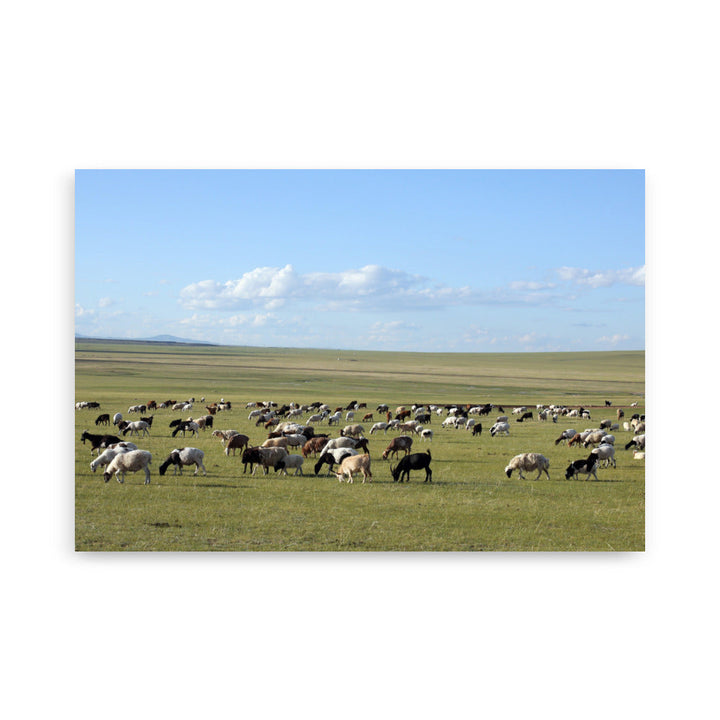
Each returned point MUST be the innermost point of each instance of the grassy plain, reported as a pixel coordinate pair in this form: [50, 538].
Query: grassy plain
[470, 505]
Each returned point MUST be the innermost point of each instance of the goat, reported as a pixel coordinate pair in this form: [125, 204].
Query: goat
[186, 425]
[103, 419]
[416, 461]
[314, 445]
[525, 416]
[500, 428]
[353, 465]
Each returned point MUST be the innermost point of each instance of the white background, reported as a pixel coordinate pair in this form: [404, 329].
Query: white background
[391, 84]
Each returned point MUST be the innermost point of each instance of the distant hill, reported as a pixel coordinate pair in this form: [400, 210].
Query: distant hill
[155, 338]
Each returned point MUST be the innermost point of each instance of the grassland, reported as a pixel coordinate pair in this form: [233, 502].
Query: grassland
[470, 505]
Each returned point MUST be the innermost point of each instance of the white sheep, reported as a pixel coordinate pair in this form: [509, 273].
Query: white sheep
[290, 461]
[107, 456]
[184, 456]
[379, 426]
[131, 461]
[565, 435]
[117, 417]
[135, 428]
[606, 454]
[528, 462]
[501, 428]
[426, 434]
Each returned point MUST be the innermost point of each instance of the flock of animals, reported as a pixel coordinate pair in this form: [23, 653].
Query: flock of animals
[292, 437]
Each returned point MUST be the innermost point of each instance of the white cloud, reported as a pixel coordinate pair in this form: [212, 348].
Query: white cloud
[105, 302]
[603, 278]
[612, 339]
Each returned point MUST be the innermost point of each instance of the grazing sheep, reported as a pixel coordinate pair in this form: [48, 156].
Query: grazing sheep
[594, 438]
[566, 435]
[224, 435]
[606, 454]
[638, 441]
[353, 465]
[355, 431]
[108, 454]
[185, 425]
[528, 462]
[332, 457]
[500, 428]
[269, 456]
[290, 461]
[416, 461]
[427, 434]
[314, 445]
[402, 443]
[237, 442]
[98, 441]
[379, 426]
[340, 442]
[586, 467]
[117, 417]
[135, 428]
[131, 461]
[184, 456]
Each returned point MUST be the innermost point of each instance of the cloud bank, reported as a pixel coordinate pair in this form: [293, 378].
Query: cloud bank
[374, 287]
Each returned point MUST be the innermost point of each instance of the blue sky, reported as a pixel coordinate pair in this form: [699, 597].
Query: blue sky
[416, 260]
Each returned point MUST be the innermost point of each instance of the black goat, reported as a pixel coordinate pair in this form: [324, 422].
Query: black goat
[416, 461]
[525, 416]
[477, 429]
[103, 420]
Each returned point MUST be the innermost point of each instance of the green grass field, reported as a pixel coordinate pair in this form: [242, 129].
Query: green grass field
[470, 505]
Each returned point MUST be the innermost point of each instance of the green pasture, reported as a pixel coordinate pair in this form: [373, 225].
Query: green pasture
[470, 504]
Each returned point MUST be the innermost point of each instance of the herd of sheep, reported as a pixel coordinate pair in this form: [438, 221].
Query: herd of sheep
[291, 441]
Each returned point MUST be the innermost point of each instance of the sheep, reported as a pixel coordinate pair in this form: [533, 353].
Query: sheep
[332, 457]
[502, 419]
[500, 428]
[131, 461]
[314, 445]
[402, 443]
[594, 438]
[186, 425]
[353, 465]
[98, 441]
[237, 442]
[184, 456]
[295, 440]
[379, 426]
[605, 424]
[290, 461]
[638, 441]
[269, 456]
[117, 417]
[416, 461]
[107, 455]
[224, 435]
[427, 434]
[355, 431]
[566, 435]
[275, 442]
[608, 440]
[134, 428]
[340, 442]
[585, 467]
[606, 454]
[528, 461]
[317, 417]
